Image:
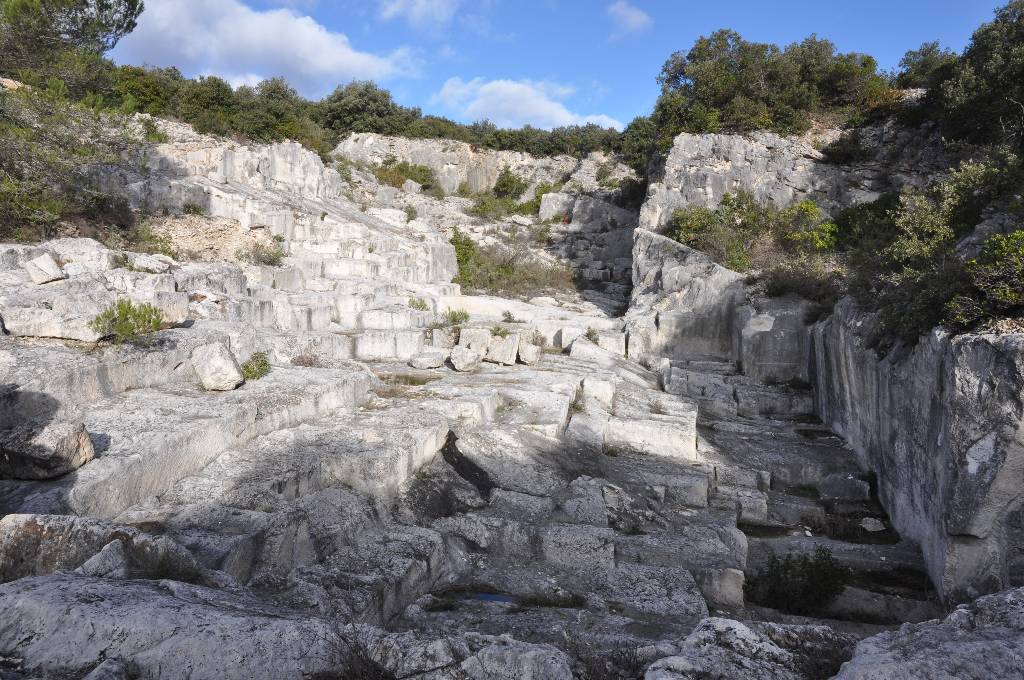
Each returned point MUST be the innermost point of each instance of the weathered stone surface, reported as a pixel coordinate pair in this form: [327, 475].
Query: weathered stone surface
[216, 367]
[43, 269]
[721, 649]
[977, 641]
[465, 359]
[44, 451]
[503, 350]
[529, 353]
[428, 360]
[556, 206]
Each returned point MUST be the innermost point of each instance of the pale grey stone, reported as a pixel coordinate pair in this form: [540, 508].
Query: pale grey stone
[216, 367]
[43, 269]
[465, 359]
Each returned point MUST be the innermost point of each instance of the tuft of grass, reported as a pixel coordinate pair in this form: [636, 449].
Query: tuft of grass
[591, 335]
[410, 213]
[124, 321]
[256, 366]
[577, 406]
[261, 253]
[499, 332]
[455, 317]
[508, 317]
[419, 304]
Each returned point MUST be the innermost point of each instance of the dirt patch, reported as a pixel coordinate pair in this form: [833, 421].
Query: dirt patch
[204, 239]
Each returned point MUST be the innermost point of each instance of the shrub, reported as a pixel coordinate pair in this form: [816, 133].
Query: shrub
[799, 584]
[396, 173]
[502, 270]
[193, 209]
[491, 207]
[499, 332]
[591, 335]
[261, 253]
[508, 317]
[509, 185]
[256, 366]
[455, 317]
[419, 304]
[532, 207]
[410, 213]
[124, 321]
[996, 280]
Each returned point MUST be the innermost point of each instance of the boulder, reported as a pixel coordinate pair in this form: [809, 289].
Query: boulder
[428, 360]
[478, 339]
[529, 353]
[978, 641]
[44, 452]
[503, 350]
[43, 269]
[216, 367]
[556, 206]
[465, 359]
[722, 649]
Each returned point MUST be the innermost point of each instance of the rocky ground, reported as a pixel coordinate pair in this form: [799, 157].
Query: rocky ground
[511, 496]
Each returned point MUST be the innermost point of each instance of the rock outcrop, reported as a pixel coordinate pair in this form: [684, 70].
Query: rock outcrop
[942, 426]
[701, 168]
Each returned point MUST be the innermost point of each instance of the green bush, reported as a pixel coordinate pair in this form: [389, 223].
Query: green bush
[419, 304]
[492, 207]
[124, 321]
[799, 584]
[499, 332]
[193, 209]
[396, 173]
[508, 185]
[411, 213]
[591, 335]
[261, 253]
[256, 367]
[996, 283]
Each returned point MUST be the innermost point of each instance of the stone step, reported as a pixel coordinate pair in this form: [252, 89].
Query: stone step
[148, 439]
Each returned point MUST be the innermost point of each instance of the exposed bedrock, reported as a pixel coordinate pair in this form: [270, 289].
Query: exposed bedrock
[701, 168]
[942, 426]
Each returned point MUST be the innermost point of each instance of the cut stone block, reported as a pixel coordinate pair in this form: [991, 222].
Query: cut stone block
[43, 269]
[216, 367]
[465, 359]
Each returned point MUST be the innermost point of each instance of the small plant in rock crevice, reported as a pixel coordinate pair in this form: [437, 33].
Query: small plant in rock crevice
[591, 335]
[124, 321]
[419, 304]
[499, 332]
[270, 254]
[256, 366]
[455, 317]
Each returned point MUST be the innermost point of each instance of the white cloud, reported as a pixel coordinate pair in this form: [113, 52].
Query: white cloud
[514, 103]
[420, 13]
[242, 45]
[626, 19]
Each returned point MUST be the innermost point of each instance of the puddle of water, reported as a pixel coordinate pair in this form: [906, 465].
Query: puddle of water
[491, 597]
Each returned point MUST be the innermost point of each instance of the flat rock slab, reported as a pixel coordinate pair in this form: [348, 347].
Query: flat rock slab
[43, 269]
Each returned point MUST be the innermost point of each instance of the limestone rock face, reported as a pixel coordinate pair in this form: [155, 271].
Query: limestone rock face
[981, 640]
[428, 360]
[43, 269]
[216, 367]
[943, 427]
[701, 168]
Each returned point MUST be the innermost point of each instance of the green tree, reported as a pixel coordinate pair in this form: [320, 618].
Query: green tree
[32, 31]
[926, 66]
[364, 107]
[983, 100]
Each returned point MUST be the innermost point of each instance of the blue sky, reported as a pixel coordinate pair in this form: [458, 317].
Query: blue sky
[543, 62]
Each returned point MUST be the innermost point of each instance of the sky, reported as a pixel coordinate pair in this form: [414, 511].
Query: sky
[540, 62]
